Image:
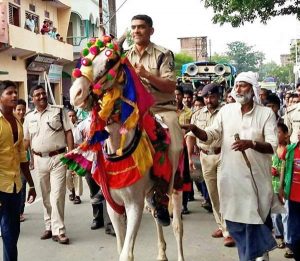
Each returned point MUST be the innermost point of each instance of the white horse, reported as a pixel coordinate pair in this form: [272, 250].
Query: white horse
[131, 197]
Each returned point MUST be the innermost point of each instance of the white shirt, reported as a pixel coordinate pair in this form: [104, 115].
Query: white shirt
[30, 23]
[238, 199]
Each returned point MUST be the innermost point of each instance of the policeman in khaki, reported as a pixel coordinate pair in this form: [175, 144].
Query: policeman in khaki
[292, 121]
[47, 129]
[155, 67]
[210, 155]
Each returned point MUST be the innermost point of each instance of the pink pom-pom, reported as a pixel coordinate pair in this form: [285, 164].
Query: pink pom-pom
[106, 39]
[76, 73]
[86, 62]
[97, 86]
[92, 40]
[94, 50]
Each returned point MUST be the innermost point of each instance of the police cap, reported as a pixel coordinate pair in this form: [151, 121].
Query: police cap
[210, 89]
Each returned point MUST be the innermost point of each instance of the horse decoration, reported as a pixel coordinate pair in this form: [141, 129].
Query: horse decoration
[124, 140]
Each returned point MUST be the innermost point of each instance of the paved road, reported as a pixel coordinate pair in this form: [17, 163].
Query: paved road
[88, 245]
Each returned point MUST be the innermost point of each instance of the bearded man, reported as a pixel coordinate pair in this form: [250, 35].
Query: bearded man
[245, 176]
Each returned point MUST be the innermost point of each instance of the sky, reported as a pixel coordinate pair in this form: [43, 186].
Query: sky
[188, 18]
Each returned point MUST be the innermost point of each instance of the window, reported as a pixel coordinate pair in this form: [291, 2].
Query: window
[47, 15]
[32, 8]
[14, 14]
[36, 20]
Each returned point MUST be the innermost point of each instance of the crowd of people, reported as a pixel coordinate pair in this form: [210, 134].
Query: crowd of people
[233, 137]
[46, 29]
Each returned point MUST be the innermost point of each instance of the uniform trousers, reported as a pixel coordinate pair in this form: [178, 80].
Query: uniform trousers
[170, 118]
[52, 177]
[210, 167]
[10, 224]
[74, 182]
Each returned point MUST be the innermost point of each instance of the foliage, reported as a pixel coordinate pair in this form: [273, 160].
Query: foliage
[243, 57]
[282, 74]
[180, 59]
[220, 58]
[129, 39]
[237, 12]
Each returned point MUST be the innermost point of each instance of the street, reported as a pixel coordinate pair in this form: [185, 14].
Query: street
[88, 245]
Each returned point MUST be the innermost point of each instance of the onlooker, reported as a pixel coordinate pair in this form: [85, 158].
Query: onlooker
[273, 102]
[263, 95]
[277, 166]
[209, 155]
[198, 104]
[30, 23]
[47, 129]
[291, 188]
[20, 111]
[45, 28]
[228, 97]
[100, 215]
[292, 121]
[12, 158]
[74, 182]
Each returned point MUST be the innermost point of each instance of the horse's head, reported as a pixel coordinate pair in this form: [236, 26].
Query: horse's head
[98, 71]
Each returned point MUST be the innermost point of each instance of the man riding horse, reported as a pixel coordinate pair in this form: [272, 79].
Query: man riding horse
[155, 67]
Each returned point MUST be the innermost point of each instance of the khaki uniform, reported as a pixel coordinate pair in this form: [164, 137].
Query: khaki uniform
[210, 162]
[46, 134]
[292, 121]
[164, 104]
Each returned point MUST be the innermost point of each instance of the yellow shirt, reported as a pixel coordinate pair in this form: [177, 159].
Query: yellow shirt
[11, 155]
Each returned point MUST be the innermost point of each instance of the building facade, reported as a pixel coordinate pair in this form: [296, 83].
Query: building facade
[195, 47]
[285, 59]
[28, 55]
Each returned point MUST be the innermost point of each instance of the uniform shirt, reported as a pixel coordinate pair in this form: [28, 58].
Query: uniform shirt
[149, 60]
[292, 121]
[203, 118]
[238, 200]
[11, 155]
[45, 130]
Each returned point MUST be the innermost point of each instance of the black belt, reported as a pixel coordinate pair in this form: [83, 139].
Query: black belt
[49, 154]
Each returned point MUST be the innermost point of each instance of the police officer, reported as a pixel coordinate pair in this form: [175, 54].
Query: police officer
[209, 154]
[155, 67]
[47, 129]
[292, 121]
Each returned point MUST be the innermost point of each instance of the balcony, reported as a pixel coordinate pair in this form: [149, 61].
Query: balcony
[59, 3]
[25, 43]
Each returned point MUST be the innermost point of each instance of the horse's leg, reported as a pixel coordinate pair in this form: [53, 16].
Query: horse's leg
[134, 211]
[161, 243]
[119, 224]
[177, 222]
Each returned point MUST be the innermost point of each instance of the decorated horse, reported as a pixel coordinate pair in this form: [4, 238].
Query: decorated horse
[125, 143]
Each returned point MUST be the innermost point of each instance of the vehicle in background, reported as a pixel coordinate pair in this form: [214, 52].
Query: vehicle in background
[269, 83]
[196, 74]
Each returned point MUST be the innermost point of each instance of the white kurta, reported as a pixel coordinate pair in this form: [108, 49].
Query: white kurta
[238, 199]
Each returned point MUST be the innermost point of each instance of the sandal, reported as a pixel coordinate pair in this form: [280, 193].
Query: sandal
[288, 253]
[71, 197]
[77, 200]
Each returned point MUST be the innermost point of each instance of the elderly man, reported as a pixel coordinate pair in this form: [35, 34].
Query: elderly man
[248, 137]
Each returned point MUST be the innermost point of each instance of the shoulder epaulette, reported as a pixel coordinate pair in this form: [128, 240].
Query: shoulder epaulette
[160, 48]
[29, 112]
[291, 108]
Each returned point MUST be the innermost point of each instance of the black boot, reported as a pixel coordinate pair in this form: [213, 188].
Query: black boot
[98, 220]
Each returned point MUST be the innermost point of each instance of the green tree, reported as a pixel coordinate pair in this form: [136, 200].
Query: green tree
[237, 12]
[293, 51]
[220, 58]
[243, 57]
[282, 74]
[180, 59]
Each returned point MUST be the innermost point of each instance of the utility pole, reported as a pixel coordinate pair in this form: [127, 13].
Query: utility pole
[101, 27]
[209, 46]
[196, 45]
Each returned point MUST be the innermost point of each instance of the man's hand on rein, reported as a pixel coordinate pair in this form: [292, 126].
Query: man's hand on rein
[141, 71]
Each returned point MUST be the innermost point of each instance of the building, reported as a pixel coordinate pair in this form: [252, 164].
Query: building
[27, 56]
[285, 59]
[195, 47]
[84, 24]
